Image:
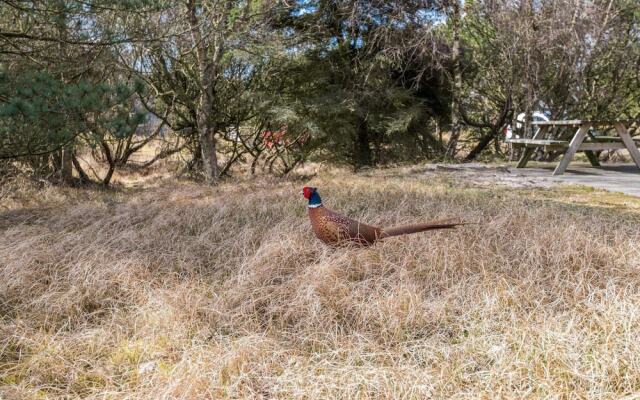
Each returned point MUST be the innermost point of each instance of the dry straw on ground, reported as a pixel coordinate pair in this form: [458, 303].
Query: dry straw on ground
[181, 291]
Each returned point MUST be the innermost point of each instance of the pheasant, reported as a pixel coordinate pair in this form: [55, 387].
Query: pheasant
[335, 229]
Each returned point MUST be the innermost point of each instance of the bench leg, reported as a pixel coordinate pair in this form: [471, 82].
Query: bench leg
[528, 151]
[571, 151]
[593, 158]
[629, 143]
[524, 159]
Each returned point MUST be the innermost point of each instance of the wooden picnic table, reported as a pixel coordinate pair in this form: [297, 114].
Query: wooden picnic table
[581, 140]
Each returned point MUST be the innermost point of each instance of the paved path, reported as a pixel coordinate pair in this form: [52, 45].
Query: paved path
[614, 178]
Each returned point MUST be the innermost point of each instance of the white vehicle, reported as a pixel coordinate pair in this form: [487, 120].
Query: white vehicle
[520, 118]
[509, 133]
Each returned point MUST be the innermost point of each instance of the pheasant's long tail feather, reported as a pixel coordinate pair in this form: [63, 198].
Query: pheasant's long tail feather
[427, 226]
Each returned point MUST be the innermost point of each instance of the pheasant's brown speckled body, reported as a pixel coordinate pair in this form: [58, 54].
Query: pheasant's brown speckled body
[335, 229]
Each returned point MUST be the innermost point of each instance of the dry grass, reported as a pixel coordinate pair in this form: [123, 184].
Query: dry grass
[182, 291]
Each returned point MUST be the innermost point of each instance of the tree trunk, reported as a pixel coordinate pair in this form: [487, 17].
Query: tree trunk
[206, 137]
[66, 166]
[482, 144]
[112, 165]
[361, 148]
[62, 166]
[84, 178]
[254, 163]
[494, 129]
[457, 81]
[207, 69]
[56, 162]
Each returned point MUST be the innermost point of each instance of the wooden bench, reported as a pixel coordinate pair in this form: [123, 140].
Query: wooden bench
[581, 140]
[538, 143]
[595, 144]
[607, 139]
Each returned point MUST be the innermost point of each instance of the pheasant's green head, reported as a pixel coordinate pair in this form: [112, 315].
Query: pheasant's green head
[311, 194]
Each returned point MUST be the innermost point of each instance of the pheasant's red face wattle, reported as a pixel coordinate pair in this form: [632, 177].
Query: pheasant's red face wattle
[307, 192]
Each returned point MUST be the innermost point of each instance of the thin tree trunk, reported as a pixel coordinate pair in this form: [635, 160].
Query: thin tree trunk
[457, 82]
[56, 162]
[112, 165]
[494, 129]
[84, 178]
[362, 150]
[482, 144]
[66, 166]
[254, 163]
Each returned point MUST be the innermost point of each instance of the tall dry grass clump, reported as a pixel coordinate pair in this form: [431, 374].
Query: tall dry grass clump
[182, 291]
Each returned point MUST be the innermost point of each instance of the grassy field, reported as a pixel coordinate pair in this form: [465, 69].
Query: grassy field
[174, 290]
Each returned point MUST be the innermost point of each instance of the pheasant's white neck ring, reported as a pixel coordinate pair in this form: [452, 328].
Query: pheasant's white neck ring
[315, 201]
